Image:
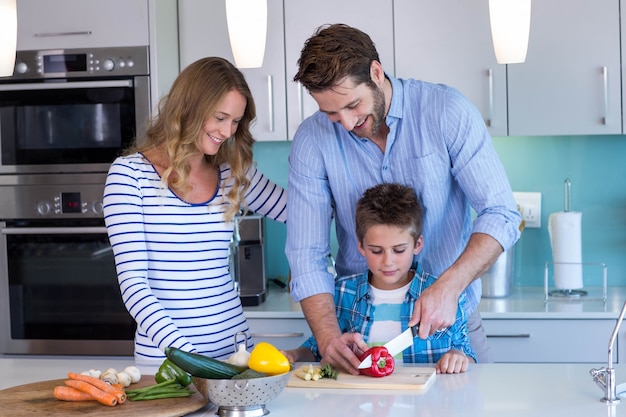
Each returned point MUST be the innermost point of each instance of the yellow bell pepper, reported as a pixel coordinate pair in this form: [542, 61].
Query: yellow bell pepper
[269, 360]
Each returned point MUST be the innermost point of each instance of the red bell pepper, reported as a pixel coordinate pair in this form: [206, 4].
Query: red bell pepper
[382, 362]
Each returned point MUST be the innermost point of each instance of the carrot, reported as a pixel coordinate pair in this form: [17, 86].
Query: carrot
[64, 393]
[101, 396]
[100, 384]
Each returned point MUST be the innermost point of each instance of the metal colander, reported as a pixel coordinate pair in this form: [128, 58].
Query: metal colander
[242, 392]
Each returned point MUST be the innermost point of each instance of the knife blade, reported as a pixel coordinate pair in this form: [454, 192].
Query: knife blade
[395, 345]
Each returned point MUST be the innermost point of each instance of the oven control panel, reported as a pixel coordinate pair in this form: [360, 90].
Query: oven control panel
[69, 204]
[85, 63]
[66, 196]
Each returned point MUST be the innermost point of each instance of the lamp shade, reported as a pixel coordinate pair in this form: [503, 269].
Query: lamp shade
[247, 30]
[510, 28]
[8, 36]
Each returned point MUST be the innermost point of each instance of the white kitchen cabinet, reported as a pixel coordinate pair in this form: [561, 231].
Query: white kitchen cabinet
[549, 340]
[281, 103]
[203, 32]
[374, 17]
[284, 333]
[63, 24]
[570, 83]
[449, 42]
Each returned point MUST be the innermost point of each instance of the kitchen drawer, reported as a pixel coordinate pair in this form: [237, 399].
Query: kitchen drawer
[282, 333]
[549, 341]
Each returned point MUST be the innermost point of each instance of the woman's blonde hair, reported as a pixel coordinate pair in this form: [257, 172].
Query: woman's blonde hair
[194, 97]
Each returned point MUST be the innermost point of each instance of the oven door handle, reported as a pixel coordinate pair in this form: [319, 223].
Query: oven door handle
[52, 230]
[66, 86]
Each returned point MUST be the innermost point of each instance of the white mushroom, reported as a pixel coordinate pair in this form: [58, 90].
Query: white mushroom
[134, 372]
[123, 378]
[110, 376]
[93, 372]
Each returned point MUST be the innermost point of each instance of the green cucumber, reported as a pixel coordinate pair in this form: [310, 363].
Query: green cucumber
[202, 366]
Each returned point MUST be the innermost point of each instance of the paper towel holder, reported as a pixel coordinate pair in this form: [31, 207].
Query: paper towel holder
[573, 294]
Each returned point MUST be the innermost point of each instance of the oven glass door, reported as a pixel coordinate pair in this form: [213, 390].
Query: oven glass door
[63, 283]
[66, 123]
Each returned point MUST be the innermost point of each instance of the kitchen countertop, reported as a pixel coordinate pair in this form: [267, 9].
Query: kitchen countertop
[523, 303]
[512, 390]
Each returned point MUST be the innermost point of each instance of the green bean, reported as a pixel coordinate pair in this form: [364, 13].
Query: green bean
[165, 389]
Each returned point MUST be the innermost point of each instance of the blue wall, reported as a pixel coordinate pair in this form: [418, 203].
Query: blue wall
[595, 166]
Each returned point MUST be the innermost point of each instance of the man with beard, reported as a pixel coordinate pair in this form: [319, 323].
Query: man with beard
[373, 128]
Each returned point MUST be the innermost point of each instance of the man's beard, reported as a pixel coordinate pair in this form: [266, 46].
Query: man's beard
[378, 111]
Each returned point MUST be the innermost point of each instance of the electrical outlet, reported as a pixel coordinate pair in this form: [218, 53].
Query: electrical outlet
[529, 205]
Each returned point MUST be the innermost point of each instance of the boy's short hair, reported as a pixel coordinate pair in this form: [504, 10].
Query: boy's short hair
[389, 204]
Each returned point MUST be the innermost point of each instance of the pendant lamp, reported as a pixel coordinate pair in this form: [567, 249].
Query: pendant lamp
[247, 29]
[8, 36]
[510, 28]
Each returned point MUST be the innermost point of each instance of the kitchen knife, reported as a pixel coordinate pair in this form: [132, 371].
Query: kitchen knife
[395, 345]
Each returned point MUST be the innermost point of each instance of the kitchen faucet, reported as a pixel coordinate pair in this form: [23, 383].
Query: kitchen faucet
[605, 377]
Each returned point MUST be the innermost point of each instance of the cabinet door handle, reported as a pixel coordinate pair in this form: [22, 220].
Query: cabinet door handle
[489, 121]
[270, 96]
[605, 86]
[520, 335]
[48, 34]
[301, 102]
[294, 334]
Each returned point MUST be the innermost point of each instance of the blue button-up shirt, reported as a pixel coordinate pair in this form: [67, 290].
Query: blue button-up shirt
[438, 144]
[355, 311]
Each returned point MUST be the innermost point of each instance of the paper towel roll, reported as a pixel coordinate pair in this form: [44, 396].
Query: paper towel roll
[565, 238]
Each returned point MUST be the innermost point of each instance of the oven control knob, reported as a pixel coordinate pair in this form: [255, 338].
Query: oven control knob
[21, 68]
[43, 208]
[108, 64]
[96, 207]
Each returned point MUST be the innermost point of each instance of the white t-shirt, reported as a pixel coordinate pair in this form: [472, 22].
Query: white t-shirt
[387, 307]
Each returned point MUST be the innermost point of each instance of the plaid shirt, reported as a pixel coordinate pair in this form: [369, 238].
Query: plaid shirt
[354, 308]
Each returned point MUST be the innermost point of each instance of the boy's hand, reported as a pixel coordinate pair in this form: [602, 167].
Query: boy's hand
[452, 362]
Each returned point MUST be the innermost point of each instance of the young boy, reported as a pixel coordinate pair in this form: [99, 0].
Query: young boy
[379, 303]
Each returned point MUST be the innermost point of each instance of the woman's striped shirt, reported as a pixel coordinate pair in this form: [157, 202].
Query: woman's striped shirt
[172, 258]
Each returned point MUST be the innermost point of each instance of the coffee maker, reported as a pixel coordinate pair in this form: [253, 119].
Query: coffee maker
[247, 259]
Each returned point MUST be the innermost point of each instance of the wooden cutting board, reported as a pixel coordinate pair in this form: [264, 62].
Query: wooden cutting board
[402, 378]
[36, 399]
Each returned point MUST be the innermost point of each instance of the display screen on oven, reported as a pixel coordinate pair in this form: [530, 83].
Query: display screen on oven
[64, 63]
[70, 203]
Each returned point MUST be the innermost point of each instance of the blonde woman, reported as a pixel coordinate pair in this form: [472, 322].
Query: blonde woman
[169, 203]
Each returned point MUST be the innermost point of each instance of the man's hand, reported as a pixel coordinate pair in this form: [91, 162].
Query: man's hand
[434, 309]
[339, 350]
[343, 352]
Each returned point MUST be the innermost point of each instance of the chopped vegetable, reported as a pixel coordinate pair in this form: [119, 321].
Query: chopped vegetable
[65, 393]
[169, 370]
[241, 357]
[166, 389]
[382, 362]
[328, 371]
[269, 360]
[309, 373]
[313, 373]
[97, 394]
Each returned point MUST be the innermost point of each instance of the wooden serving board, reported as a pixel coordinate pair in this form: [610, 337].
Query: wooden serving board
[402, 378]
[36, 399]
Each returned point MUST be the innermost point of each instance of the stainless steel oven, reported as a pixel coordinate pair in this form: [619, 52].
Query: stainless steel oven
[58, 284]
[70, 110]
[64, 116]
